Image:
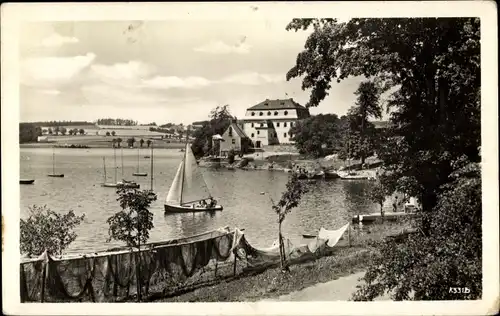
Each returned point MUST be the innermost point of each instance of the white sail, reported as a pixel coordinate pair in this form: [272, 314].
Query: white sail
[174, 196]
[194, 187]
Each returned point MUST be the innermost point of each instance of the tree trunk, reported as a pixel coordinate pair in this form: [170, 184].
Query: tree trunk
[280, 245]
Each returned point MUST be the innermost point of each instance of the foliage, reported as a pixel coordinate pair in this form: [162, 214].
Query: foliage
[130, 142]
[148, 142]
[289, 200]
[220, 119]
[133, 223]
[317, 134]
[45, 229]
[425, 267]
[108, 134]
[432, 66]
[63, 130]
[378, 193]
[356, 144]
[113, 133]
[118, 121]
[81, 131]
[29, 132]
[141, 142]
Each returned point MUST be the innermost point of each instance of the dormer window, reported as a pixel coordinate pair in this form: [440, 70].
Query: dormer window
[286, 113]
[269, 113]
[266, 103]
[260, 113]
[275, 113]
[230, 131]
[253, 113]
[284, 124]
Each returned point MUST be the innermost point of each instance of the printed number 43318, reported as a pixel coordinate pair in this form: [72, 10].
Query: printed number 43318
[459, 290]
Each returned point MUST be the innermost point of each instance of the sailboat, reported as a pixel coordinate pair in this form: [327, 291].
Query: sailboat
[104, 183]
[189, 188]
[137, 173]
[54, 174]
[117, 184]
[127, 183]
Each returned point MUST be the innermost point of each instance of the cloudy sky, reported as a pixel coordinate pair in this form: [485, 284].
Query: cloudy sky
[162, 71]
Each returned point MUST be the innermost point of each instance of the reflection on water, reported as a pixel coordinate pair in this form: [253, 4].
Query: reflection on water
[328, 204]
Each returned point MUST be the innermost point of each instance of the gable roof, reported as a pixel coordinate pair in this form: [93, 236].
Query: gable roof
[277, 105]
[238, 130]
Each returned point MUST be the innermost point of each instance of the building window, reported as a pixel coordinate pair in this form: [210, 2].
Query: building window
[269, 113]
[253, 135]
[230, 131]
[258, 132]
[286, 112]
[261, 124]
[284, 124]
[252, 125]
[233, 141]
[275, 113]
[277, 124]
[275, 134]
[284, 135]
[260, 113]
[253, 113]
[291, 124]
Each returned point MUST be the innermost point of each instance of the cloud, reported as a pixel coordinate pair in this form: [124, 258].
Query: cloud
[50, 91]
[56, 40]
[169, 82]
[53, 71]
[131, 70]
[253, 78]
[219, 47]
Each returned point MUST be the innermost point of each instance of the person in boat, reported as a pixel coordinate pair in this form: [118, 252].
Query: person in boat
[212, 203]
[203, 203]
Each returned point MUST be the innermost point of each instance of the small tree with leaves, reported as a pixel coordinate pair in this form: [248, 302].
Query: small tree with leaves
[378, 194]
[148, 142]
[141, 142]
[81, 131]
[113, 133]
[289, 200]
[133, 223]
[45, 229]
[130, 142]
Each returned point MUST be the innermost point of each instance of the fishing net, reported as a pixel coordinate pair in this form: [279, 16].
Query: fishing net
[115, 276]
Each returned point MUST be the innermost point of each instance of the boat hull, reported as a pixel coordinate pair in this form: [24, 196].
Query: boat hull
[140, 174]
[56, 175]
[26, 181]
[187, 209]
[369, 218]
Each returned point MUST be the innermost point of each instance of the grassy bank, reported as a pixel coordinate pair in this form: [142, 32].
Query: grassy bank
[103, 143]
[270, 282]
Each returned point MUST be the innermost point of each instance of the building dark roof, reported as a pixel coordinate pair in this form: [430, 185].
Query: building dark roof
[276, 105]
[238, 130]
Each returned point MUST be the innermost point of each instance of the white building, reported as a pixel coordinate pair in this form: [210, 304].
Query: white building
[269, 122]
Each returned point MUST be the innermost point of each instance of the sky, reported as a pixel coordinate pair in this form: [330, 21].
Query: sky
[161, 71]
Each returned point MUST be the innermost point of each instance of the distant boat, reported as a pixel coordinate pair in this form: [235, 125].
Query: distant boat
[189, 188]
[26, 181]
[54, 174]
[137, 173]
[117, 184]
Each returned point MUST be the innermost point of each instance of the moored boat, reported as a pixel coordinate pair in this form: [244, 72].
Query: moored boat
[54, 174]
[391, 216]
[26, 181]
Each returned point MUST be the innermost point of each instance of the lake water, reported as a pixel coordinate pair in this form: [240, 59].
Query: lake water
[328, 204]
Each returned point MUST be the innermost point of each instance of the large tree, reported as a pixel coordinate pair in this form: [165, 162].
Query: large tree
[432, 66]
[317, 135]
[219, 122]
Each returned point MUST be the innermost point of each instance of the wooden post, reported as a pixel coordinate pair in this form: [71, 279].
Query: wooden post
[44, 276]
[216, 263]
[234, 266]
[349, 234]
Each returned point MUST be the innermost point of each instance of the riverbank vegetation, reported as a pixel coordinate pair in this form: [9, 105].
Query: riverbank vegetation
[220, 119]
[29, 132]
[433, 68]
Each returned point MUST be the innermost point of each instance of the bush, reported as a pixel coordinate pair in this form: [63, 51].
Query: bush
[47, 230]
[230, 156]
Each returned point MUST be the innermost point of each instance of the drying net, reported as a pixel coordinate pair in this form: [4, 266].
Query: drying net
[117, 275]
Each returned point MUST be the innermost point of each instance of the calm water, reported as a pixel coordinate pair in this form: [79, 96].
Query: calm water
[328, 204]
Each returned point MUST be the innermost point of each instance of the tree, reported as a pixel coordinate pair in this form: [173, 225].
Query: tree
[50, 131]
[132, 224]
[57, 130]
[130, 142]
[148, 142]
[108, 134]
[113, 133]
[63, 131]
[367, 106]
[82, 131]
[378, 193]
[29, 132]
[289, 200]
[119, 142]
[427, 266]
[316, 134]
[356, 144]
[432, 66]
[45, 229]
[141, 142]
[220, 119]
[70, 132]
[113, 142]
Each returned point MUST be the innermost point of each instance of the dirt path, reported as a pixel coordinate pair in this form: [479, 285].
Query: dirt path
[340, 289]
